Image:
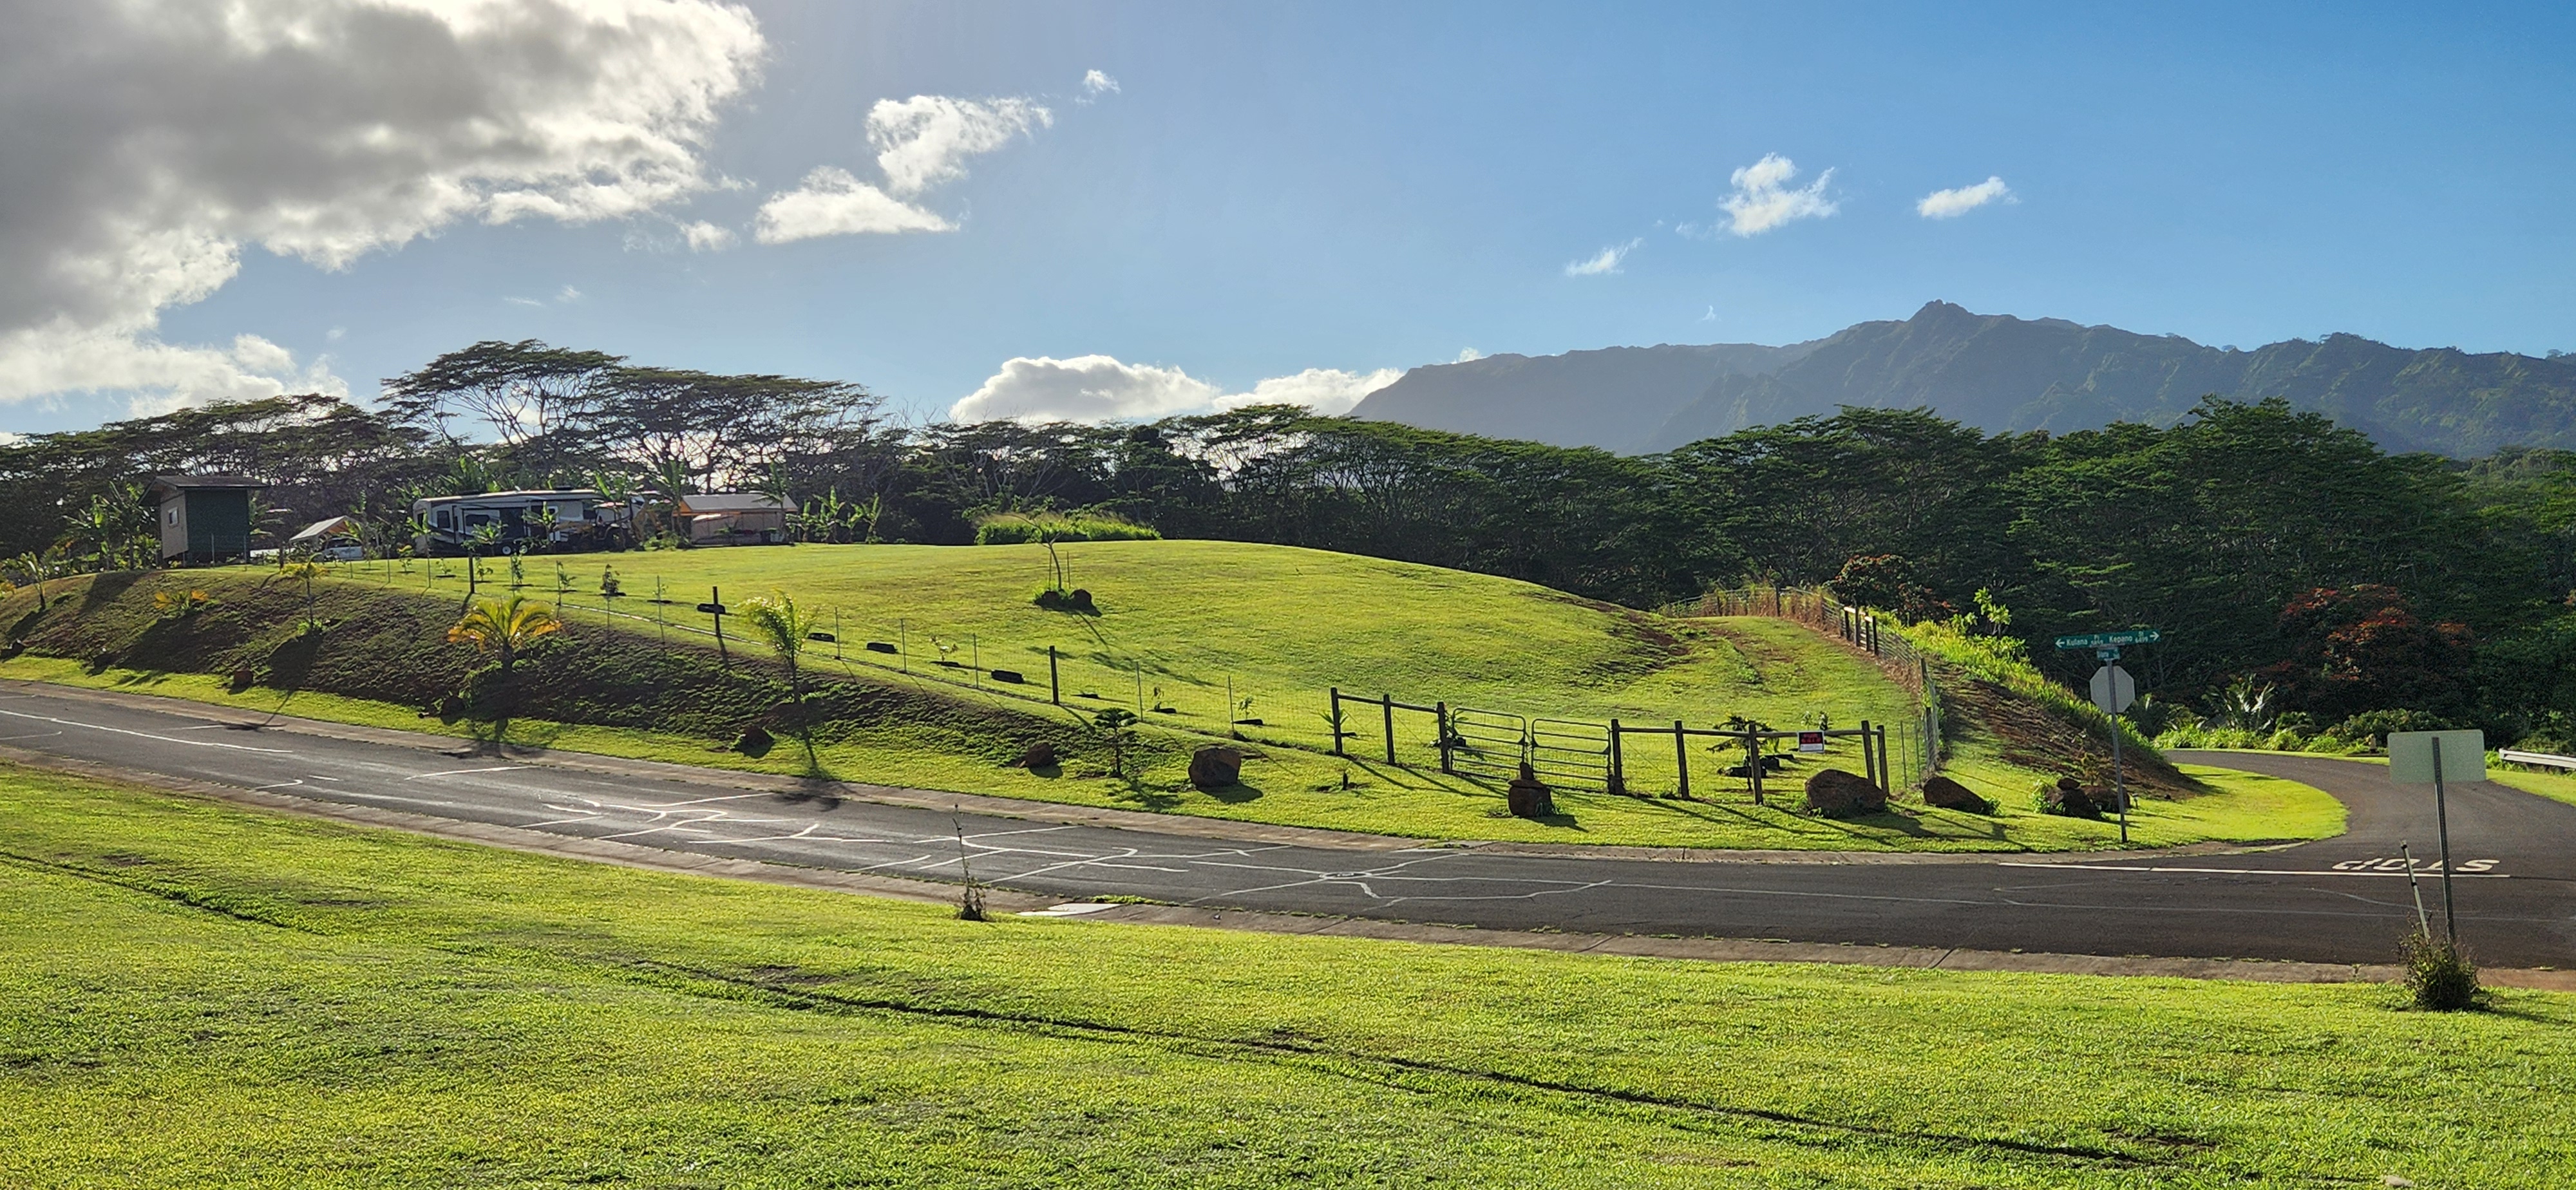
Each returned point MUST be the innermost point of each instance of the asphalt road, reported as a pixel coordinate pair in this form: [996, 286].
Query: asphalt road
[2344, 900]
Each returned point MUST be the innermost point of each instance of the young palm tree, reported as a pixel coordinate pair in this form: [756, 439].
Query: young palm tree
[504, 627]
[779, 623]
[306, 571]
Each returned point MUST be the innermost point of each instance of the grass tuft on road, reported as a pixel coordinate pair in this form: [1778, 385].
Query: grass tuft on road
[193, 994]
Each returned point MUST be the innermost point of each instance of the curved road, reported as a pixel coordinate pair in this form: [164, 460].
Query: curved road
[2342, 900]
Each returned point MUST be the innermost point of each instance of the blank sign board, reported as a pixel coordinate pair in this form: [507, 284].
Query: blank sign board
[2410, 756]
[2113, 689]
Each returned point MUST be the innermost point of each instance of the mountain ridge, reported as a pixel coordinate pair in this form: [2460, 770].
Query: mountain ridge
[1999, 373]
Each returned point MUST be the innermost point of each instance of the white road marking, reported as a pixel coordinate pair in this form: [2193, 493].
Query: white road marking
[1074, 909]
[147, 735]
[2245, 871]
[507, 768]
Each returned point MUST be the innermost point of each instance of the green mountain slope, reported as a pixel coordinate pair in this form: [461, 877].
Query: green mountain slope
[2003, 373]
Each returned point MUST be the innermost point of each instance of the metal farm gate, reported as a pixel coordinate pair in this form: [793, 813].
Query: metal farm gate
[1487, 743]
[1565, 752]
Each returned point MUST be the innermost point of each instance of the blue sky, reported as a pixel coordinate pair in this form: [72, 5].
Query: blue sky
[1361, 187]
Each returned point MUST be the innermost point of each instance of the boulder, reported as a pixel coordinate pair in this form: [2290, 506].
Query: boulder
[1950, 795]
[755, 741]
[2068, 797]
[1216, 767]
[1040, 755]
[1528, 796]
[244, 677]
[1838, 794]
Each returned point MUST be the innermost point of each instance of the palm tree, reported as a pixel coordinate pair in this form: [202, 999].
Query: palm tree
[307, 571]
[504, 627]
[778, 622]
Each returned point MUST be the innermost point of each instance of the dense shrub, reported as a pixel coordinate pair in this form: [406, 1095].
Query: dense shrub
[2439, 974]
[1021, 528]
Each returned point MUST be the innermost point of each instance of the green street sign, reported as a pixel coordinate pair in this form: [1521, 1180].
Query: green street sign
[2106, 640]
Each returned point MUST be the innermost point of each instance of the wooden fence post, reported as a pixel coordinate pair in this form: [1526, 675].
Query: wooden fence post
[1055, 683]
[1440, 711]
[1868, 755]
[1618, 771]
[1336, 719]
[1390, 727]
[1753, 761]
[1681, 758]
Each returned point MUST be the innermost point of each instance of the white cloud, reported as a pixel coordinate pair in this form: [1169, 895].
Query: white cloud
[1324, 390]
[1469, 355]
[1096, 388]
[1606, 262]
[567, 295]
[1085, 388]
[524, 301]
[1095, 84]
[1763, 199]
[920, 142]
[703, 236]
[1950, 204]
[147, 142]
[832, 203]
[925, 140]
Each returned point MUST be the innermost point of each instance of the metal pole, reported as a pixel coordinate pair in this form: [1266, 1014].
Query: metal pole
[1390, 727]
[1055, 684]
[2421, 922]
[2120, 789]
[2442, 818]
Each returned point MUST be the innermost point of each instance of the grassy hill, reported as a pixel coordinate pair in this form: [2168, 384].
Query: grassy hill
[1179, 624]
[264, 1000]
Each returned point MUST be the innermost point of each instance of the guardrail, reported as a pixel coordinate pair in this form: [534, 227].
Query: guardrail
[2547, 760]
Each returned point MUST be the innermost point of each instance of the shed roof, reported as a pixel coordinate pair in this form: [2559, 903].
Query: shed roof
[213, 480]
[325, 528]
[731, 502]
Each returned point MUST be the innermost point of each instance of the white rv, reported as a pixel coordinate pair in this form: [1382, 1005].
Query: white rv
[522, 517]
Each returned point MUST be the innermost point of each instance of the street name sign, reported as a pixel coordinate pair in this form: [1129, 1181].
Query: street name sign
[2110, 640]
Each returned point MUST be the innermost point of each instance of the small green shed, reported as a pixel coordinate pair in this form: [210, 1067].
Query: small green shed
[206, 518]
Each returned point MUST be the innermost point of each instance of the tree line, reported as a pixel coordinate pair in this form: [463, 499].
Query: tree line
[2279, 551]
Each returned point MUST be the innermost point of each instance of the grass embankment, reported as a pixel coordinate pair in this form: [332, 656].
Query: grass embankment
[1283, 623]
[259, 1000]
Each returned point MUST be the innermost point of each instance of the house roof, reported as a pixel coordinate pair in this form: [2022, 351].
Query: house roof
[515, 496]
[731, 502]
[214, 481]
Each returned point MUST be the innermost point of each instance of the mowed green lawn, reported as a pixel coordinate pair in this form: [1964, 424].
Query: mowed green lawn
[1282, 624]
[193, 994]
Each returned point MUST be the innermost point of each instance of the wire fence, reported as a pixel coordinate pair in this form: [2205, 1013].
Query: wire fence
[1703, 760]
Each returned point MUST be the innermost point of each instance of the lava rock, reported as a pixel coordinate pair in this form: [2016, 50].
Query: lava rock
[1528, 796]
[1950, 795]
[755, 740]
[1040, 755]
[1838, 794]
[1216, 767]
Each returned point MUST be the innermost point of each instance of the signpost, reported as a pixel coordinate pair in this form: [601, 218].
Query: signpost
[2420, 758]
[714, 606]
[2113, 691]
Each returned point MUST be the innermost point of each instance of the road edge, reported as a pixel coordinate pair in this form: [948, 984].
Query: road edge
[1000, 900]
